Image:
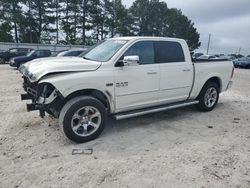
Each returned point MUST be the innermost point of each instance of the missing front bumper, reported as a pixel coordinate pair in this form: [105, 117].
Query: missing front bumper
[34, 107]
[26, 96]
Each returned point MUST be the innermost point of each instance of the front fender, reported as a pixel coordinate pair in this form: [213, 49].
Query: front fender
[69, 83]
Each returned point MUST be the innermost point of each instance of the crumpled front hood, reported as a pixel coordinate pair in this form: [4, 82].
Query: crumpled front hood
[38, 68]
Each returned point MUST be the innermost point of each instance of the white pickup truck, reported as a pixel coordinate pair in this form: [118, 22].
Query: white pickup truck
[122, 77]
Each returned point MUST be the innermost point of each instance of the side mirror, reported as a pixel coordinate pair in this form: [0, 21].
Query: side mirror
[131, 60]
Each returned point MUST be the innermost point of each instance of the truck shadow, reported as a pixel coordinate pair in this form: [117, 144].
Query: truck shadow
[149, 119]
[165, 117]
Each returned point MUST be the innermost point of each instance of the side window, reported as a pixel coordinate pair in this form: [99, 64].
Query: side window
[72, 53]
[22, 50]
[48, 53]
[38, 53]
[143, 49]
[168, 52]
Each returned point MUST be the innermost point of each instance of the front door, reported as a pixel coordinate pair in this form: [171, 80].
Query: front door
[137, 86]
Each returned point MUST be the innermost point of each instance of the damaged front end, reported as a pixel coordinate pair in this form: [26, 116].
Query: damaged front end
[44, 96]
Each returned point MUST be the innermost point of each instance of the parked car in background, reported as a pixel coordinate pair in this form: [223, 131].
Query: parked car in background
[17, 61]
[13, 52]
[237, 56]
[122, 77]
[196, 55]
[228, 57]
[72, 52]
[56, 53]
[243, 62]
[207, 57]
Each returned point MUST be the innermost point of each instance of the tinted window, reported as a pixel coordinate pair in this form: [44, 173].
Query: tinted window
[42, 53]
[168, 51]
[48, 53]
[39, 53]
[73, 53]
[23, 50]
[145, 51]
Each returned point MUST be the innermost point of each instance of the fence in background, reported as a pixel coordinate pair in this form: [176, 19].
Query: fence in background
[52, 47]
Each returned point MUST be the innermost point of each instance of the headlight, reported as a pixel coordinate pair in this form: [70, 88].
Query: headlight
[22, 69]
[31, 76]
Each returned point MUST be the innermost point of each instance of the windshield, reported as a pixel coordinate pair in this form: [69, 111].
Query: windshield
[104, 51]
[30, 53]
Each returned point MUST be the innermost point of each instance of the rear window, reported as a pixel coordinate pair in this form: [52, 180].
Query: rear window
[168, 52]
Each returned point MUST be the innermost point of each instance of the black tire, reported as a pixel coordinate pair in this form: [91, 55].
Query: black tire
[72, 107]
[202, 101]
[18, 65]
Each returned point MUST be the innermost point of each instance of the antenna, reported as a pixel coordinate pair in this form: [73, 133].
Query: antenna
[208, 44]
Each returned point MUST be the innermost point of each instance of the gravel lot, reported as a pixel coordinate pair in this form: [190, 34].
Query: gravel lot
[178, 148]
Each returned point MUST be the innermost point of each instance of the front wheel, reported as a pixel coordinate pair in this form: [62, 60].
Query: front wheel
[208, 97]
[83, 118]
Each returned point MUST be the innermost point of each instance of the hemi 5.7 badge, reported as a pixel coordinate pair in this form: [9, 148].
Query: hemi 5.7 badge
[121, 84]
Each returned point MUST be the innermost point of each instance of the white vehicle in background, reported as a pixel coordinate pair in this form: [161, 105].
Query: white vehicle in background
[71, 52]
[122, 77]
[196, 55]
[207, 57]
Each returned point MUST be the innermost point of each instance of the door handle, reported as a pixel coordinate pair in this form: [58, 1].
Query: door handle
[151, 72]
[186, 70]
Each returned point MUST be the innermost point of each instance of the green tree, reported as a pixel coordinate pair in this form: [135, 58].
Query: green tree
[41, 20]
[11, 12]
[117, 18]
[5, 30]
[70, 20]
[180, 26]
[139, 11]
[154, 18]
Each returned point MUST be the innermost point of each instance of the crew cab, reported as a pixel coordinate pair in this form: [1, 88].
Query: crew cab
[122, 77]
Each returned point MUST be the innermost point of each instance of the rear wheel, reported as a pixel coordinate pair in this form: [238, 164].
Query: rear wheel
[208, 97]
[83, 119]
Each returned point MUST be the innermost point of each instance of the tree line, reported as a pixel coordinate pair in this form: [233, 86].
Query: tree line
[89, 21]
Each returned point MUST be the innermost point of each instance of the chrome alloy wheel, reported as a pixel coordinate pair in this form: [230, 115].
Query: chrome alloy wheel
[86, 121]
[210, 97]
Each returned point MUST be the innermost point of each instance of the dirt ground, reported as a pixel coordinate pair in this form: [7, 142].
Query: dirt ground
[177, 148]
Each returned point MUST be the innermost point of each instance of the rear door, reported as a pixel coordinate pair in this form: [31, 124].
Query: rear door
[176, 73]
[137, 86]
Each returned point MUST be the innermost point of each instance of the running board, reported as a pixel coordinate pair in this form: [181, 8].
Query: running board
[140, 112]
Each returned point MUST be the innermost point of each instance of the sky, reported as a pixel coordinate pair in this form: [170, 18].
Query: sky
[228, 22]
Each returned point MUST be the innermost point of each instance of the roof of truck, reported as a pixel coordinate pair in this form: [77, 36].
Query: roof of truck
[144, 37]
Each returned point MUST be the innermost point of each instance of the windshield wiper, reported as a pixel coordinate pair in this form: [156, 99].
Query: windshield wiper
[86, 58]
